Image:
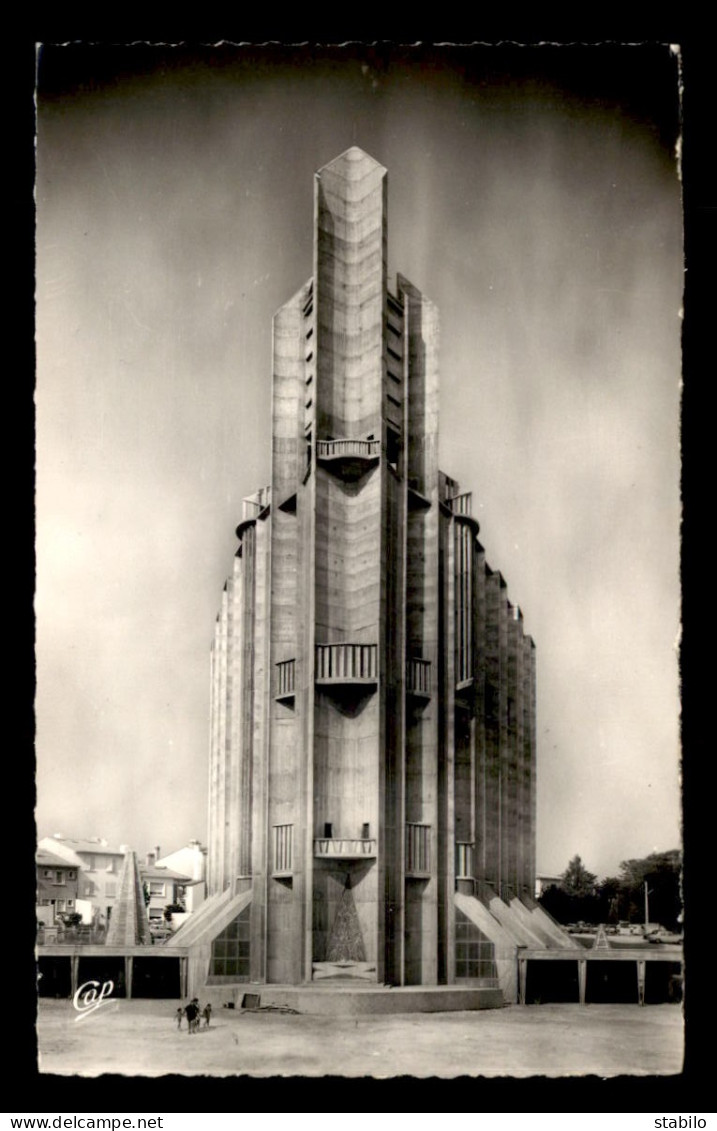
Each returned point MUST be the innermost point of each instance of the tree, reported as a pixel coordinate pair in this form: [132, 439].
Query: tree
[611, 899]
[575, 897]
[577, 881]
[580, 896]
[558, 904]
[661, 872]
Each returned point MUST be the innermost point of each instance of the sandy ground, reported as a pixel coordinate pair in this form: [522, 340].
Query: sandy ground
[140, 1038]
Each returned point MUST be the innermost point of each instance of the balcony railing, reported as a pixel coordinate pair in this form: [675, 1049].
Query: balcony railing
[346, 663]
[461, 504]
[464, 859]
[418, 677]
[345, 848]
[348, 448]
[285, 679]
[283, 836]
[418, 850]
[253, 505]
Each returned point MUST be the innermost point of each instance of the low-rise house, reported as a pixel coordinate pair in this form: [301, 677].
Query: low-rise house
[192, 862]
[98, 865]
[545, 880]
[163, 887]
[57, 886]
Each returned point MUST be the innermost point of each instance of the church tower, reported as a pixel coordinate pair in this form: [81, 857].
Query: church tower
[372, 769]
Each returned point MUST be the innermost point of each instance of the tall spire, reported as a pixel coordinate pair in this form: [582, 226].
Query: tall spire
[129, 925]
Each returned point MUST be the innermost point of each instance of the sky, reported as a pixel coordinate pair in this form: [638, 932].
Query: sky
[534, 196]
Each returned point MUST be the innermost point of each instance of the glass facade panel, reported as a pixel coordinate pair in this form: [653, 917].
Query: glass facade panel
[231, 950]
[475, 957]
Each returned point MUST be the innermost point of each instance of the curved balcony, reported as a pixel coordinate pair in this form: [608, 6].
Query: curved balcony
[344, 848]
[348, 458]
[461, 506]
[243, 526]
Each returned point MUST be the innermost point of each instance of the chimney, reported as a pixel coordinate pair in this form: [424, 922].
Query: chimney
[150, 859]
[198, 864]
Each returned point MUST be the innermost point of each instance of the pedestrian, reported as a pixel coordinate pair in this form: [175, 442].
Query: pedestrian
[191, 1012]
[180, 1014]
[207, 1014]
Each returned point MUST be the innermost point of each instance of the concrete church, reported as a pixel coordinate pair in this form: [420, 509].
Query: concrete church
[373, 736]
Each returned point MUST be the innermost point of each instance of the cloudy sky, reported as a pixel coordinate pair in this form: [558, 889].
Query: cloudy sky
[534, 196]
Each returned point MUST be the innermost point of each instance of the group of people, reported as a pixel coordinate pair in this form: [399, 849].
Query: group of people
[194, 1013]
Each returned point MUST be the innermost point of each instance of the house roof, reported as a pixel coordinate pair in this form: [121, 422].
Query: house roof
[49, 860]
[96, 847]
[155, 872]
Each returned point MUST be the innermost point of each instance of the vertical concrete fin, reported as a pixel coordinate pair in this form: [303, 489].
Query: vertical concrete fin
[558, 935]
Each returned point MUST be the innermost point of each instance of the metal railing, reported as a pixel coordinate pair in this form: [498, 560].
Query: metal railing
[335, 449]
[344, 663]
[55, 935]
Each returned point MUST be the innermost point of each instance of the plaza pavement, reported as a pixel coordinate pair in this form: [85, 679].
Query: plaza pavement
[140, 1038]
